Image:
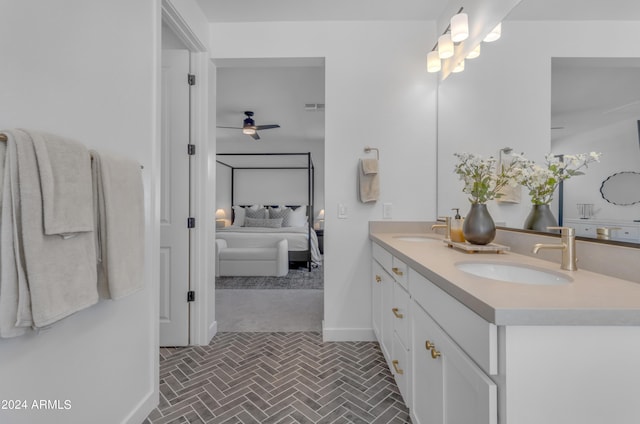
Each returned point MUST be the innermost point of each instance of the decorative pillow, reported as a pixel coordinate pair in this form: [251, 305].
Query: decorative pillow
[297, 217]
[280, 213]
[267, 223]
[238, 216]
[260, 213]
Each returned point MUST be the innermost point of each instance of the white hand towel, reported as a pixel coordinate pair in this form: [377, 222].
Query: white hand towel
[368, 183]
[64, 166]
[119, 200]
[61, 273]
[369, 166]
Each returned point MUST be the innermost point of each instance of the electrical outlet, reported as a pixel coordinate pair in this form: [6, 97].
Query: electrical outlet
[342, 211]
[386, 210]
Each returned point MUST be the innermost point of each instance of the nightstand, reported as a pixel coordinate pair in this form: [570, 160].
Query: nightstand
[320, 234]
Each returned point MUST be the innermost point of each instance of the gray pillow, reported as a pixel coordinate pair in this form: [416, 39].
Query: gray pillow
[267, 223]
[255, 214]
[280, 213]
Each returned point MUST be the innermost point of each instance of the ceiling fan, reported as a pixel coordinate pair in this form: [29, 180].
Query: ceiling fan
[250, 128]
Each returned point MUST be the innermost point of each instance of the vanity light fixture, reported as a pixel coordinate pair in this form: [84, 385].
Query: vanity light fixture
[474, 53]
[459, 27]
[445, 46]
[433, 62]
[494, 34]
[459, 67]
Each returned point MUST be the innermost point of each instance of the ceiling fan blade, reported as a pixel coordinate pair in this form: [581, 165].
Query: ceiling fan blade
[234, 128]
[255, 136]
[267, 127]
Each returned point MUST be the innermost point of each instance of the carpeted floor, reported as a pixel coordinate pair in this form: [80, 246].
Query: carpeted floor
[297, 278]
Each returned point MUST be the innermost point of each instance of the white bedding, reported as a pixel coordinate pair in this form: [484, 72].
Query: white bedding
[263, 237]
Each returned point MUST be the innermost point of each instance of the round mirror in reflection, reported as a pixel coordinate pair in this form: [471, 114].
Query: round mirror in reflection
[622, 188]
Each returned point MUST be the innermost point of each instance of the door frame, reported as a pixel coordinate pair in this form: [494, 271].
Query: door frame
[202, 326]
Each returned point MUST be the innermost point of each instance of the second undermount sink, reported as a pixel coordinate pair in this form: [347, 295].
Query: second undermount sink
[417, 239]
[514, 273]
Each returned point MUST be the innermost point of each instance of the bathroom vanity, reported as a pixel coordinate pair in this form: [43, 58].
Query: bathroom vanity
[556, 347]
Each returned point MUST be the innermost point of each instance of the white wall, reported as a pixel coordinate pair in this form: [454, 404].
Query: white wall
[503, 98]
[378, 93]
[618, 144]
[87, 70]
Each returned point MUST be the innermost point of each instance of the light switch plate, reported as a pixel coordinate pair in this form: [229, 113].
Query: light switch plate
[342, 211]
[386, 210]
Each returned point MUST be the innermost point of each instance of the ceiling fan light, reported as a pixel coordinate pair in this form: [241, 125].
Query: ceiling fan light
[459, 27]
[445, 46]
[474, 53]
[433, 62]
[248, 131]
[494, 34]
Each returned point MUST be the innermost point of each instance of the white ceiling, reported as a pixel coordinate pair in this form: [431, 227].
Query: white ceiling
[364, 10]
[276, 91]
[320, 10]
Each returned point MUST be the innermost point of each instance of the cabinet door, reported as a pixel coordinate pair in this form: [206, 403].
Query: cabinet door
[428, 402]
[386, 316]
[448, 387]
[377, 274]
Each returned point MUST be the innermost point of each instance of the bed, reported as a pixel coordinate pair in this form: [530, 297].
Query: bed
[263, 224]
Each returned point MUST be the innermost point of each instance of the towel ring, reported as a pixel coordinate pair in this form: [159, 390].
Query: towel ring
[369, 149]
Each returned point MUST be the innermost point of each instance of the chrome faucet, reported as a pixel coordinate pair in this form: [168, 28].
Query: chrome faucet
[446, 226]
[567, 245]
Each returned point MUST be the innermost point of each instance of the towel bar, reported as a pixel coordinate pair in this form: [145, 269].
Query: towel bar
[369, 149]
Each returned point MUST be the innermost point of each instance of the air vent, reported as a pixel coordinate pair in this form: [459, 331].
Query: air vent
[314, 107]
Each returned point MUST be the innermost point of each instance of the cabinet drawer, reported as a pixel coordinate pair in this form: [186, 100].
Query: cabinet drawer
[399, 271]
[383, 257]
[477, 337]
[625, 233]
[400, 310]
[401, 369]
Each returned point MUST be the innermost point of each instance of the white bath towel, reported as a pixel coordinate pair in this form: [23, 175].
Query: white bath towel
[60, 273]
[15, 310]
[368, 181]
[64, 166]
[119, 206]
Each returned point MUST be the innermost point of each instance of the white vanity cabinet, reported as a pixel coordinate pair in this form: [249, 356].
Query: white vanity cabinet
[511, 355]
[619, 230]
[391, 316]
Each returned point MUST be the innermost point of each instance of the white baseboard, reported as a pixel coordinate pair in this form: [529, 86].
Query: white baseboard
[213, 330]
[143, 409]
[347, 334]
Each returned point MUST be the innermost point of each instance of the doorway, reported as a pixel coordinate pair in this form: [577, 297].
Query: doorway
[288, 93]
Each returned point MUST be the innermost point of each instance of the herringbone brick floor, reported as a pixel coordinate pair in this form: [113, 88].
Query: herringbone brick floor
[277, 378]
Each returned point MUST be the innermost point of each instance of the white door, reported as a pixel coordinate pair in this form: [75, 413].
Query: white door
[174, 200]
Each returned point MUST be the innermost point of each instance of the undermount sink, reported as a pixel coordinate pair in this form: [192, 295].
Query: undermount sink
[417, 239]
[514, 273]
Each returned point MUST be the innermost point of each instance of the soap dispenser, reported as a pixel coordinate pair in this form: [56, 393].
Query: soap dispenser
[456, 227]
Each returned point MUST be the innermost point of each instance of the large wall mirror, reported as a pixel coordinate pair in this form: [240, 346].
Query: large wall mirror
[542, 88]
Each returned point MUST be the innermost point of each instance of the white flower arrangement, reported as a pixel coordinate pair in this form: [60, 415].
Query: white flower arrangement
[481, 178]
[542, 181]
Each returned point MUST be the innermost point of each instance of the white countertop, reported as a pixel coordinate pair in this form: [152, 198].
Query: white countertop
[591, 299]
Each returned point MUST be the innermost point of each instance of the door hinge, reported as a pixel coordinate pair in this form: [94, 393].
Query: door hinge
[191, 296]
[191, 79]
[191, 149]
[191, 222]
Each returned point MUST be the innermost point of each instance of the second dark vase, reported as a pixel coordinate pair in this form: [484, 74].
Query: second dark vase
[478, 227]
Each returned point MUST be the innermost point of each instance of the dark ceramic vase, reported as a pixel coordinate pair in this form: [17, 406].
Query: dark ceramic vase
[540, 218]
[478, 227]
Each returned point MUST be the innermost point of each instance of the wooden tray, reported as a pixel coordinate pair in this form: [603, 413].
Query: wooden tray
[477, 248]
